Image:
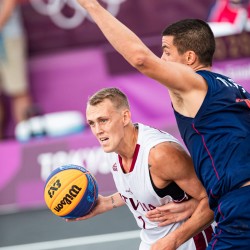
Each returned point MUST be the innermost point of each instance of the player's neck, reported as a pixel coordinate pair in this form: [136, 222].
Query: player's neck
[130, 142]
[128, 157]
[202, 67]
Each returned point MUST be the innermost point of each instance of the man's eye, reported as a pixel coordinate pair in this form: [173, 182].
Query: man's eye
[103, 120]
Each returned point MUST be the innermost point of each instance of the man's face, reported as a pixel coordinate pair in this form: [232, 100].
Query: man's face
[170, 52]
[106, 123]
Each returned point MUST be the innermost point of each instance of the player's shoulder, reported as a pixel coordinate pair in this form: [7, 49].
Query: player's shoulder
[168, 150]
[211, 76]
[149, 135]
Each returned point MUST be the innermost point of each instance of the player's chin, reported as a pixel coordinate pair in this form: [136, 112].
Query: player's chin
[107, 149]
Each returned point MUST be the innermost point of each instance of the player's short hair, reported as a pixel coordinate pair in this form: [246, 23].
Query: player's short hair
[195, 35]
[116, 96]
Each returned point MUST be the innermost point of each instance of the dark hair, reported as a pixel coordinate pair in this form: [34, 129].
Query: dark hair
[116, 96]
[195, 35]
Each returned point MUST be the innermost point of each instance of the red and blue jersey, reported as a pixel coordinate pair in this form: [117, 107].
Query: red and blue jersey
[218, 137]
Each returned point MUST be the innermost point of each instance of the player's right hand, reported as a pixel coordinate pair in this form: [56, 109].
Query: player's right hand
[99, 208]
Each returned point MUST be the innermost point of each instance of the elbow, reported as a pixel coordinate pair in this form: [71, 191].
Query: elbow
[139, 60]
[142, 59]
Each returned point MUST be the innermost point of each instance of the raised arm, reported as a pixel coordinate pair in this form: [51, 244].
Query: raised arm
[130, 46]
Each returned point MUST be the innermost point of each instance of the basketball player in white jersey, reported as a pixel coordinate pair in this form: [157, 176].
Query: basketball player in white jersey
[150, 168]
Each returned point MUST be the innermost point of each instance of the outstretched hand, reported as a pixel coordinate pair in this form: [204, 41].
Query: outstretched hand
[172, 212]
[84, 3]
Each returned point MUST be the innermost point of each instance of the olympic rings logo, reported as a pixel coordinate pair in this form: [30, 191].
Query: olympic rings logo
[54, 9]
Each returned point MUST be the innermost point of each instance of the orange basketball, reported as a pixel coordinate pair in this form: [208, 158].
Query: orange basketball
[70, 191]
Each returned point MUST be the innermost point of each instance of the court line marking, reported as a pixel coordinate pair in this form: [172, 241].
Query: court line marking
[79, 241]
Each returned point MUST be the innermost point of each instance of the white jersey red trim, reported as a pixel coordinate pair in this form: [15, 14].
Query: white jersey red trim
[136, 188]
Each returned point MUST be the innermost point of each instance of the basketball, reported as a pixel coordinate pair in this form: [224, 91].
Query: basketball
[70, 191]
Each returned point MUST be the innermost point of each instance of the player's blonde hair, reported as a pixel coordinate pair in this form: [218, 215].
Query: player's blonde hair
[116, 96]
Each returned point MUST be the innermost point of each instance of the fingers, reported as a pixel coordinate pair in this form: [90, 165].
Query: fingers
[170, 213]
[163, 219]
[75, 219]
[166, 221]
[154, 215]
[89, 215]
[167, 208]
[70, 220]
[156, 212]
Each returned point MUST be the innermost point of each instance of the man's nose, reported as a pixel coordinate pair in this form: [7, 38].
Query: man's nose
[98, 129]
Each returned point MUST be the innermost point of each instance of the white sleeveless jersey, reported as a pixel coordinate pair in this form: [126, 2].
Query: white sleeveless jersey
[136, 188]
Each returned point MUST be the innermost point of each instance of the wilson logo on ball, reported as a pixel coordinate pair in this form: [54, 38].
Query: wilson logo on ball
[68, 198]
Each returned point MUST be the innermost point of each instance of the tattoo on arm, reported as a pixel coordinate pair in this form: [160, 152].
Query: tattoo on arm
[113, 202]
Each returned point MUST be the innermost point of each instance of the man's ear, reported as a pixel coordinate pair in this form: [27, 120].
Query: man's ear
[191, 57]
[126, 117]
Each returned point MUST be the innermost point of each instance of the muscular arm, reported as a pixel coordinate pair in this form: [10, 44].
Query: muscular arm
[170, 161]
[7, 7]
[130, 46]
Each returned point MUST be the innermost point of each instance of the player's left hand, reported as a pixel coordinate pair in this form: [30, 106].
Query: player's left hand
[172, 212]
